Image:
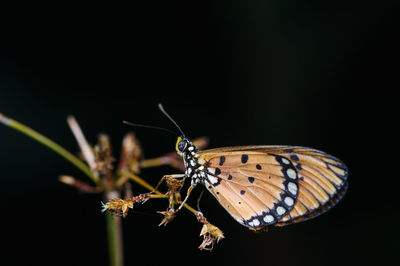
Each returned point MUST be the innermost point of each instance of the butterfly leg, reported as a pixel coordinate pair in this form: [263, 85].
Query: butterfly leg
[186, 198]
[199, 198]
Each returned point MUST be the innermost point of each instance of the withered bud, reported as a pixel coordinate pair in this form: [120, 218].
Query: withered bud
[174, 186]
[173, 183]
[211, 234]
[131, 154]
[169, 215]
[121, 207]
[118, 206]
[103, 155]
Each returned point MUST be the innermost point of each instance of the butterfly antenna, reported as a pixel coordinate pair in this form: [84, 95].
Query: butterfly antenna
[147, 126]
[170, 118]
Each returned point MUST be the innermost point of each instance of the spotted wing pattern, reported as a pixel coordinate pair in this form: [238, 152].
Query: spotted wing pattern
[266, 185]
[322, 209]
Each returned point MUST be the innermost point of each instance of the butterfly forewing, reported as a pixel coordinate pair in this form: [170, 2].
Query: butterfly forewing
[264, 185]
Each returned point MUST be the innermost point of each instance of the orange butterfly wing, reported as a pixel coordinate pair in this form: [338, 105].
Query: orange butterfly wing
[265, 185]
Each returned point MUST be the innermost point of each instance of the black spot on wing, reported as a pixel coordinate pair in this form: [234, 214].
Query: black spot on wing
[221, 160]
[217, 171]
[245, 158]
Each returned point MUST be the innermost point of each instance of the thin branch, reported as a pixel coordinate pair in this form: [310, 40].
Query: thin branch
[83, 145]
[49, 143]
[139, 181]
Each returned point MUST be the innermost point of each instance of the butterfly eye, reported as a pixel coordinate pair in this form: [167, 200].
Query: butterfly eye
[182, 145]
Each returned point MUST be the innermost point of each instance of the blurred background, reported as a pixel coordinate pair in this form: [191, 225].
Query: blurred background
[308, 73]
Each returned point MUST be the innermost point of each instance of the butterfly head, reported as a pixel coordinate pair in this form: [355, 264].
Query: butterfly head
[183, 145]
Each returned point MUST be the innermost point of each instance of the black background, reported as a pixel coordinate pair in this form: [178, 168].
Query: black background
[310, 73]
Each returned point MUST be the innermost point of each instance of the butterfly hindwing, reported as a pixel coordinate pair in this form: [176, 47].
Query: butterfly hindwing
[264, 185]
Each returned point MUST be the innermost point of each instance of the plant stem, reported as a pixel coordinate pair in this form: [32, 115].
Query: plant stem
[49, 143]
[114, 234]
[140, 181]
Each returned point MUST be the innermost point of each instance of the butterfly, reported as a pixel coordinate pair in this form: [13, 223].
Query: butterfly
[261, 186]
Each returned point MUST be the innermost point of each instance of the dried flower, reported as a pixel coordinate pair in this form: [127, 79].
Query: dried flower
[131, 154]
[103, 156]
[211, 234]
[118, 206]
[174, 185]
[169, 215]
[121, 207]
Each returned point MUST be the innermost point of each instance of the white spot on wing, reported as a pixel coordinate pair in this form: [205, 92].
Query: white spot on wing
[291, 173]
[211, 170]
[285, 161]
[292, 187]
[256, 222]
[289, 201]
[268, 218]
[213, 180]
[280, 210]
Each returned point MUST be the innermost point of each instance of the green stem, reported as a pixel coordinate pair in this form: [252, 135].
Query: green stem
[140, 181]
[113, 226]
[114, 234]
[50, 144]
